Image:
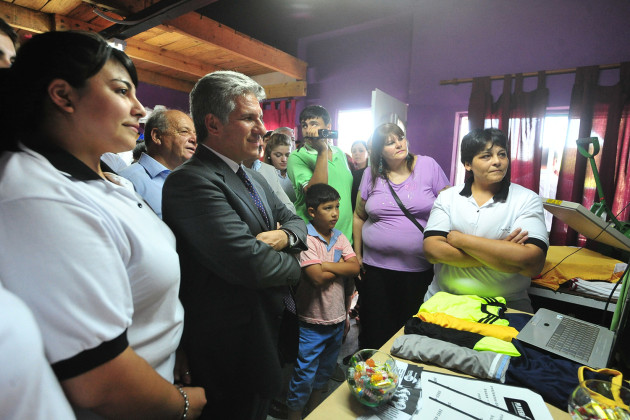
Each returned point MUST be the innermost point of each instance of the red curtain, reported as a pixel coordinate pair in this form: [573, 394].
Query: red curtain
[598, 111]
[279, 114]
[520, 116]
[527, 115]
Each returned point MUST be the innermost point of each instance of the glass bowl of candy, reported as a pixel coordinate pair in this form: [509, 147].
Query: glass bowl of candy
[372, 377]
[597, 399]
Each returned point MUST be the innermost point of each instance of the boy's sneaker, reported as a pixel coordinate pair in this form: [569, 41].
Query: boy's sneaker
[278, 410]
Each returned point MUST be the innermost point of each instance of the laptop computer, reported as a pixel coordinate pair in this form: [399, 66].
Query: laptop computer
[569, 337]
[572, 338]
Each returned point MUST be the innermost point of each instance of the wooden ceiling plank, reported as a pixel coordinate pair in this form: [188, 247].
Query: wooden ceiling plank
[23, 18]
[65, 23]
[165, 81]
[62, 7]
[148, 34]
[164, 58]
[286, 90]
[174, 70]
[182, 45]
[164, 39]
[31, 4]
[201, 49]
[139, 50]
[196, 25]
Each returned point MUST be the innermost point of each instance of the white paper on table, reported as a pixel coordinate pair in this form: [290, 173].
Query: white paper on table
[448, 397]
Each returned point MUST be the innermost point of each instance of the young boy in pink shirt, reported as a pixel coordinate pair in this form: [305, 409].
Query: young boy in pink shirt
[322, 299]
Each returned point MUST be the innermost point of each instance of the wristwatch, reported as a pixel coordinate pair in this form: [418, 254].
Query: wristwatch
[291, 237]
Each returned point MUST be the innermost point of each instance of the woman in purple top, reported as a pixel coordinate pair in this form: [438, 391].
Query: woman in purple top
[395, 274]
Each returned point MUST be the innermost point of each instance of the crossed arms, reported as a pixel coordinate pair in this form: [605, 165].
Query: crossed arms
[509, 255]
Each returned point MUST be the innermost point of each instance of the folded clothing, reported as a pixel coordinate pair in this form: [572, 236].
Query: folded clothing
[600, 289]
[501, 332]
[466, 339]
[564, 263]
[486, 310]
[481, 364]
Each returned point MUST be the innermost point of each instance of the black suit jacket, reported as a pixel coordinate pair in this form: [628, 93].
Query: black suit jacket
[232, 284]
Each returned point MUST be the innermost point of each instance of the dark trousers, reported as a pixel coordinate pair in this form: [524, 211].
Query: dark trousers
[239, 407]
[388, 299]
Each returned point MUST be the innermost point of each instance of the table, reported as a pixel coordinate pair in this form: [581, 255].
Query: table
[341, 405]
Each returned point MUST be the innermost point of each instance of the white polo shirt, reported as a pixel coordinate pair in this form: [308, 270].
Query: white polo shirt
[92, 261]
[456, 209]
[29, 387]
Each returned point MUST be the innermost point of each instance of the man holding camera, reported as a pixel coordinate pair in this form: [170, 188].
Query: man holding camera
[319, 162]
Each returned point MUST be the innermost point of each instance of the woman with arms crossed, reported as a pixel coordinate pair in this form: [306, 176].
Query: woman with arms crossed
[389, 245]
[95, 265]
[486, 237]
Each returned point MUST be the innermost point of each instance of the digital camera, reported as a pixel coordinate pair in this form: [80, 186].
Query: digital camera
[327, 134]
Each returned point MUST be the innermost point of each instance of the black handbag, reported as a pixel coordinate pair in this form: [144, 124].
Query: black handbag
[404, 209]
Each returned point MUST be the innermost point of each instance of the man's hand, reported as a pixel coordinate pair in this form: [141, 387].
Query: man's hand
[518, 236]
[277, 239]
[181, 371]
[321, 145]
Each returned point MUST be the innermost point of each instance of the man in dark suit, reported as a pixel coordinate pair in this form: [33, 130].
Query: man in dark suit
[235, 264]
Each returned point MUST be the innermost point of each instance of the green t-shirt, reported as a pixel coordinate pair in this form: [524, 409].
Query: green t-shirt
[300, 168]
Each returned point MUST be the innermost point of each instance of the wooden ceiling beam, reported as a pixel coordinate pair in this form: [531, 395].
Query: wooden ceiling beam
[285, 90]
[216, 34]
[65, 23]
[205, 29]
[145, 52]
[27, 19]
[141, 51]
[157, 79]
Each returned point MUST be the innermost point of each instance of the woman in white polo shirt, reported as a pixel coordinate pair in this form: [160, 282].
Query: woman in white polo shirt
[95, 265]
[486, 237]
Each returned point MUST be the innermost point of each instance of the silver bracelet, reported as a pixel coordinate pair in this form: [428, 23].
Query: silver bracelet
[186, 402]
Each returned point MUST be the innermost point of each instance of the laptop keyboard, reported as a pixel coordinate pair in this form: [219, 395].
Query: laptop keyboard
[574, 338]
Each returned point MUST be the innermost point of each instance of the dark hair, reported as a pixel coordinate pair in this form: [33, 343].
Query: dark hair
[314, 111]
[359, 142]
[73, 56]
[318, 194]
[215, 93]
[476, 141]
[379, 166]
[140, 148]
[276, 139]
[9, 31]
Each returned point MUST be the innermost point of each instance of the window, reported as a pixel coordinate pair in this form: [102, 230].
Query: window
[353, 125]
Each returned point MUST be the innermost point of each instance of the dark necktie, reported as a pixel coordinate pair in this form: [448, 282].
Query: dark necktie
[255, 197]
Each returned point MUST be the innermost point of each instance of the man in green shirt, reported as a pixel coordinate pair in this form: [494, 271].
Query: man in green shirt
[319, 162]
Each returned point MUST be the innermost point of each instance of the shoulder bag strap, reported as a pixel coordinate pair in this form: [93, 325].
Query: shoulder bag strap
[403, 208]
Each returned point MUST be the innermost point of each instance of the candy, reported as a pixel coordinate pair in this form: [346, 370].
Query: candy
[372, 381]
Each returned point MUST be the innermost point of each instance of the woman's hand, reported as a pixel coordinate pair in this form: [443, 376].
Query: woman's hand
[518, 236]
[197, 401]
